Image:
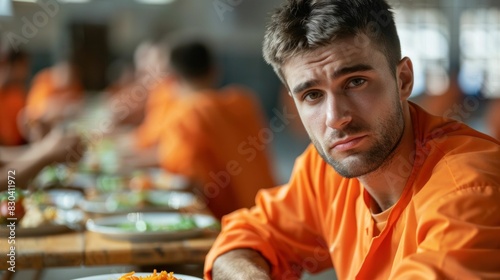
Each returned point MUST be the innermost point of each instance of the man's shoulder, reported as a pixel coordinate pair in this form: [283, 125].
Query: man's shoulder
[448, 136]
[469, 160]
[451, 156]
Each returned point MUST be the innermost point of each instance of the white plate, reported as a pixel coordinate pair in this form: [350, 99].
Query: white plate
[61, 198]
[158, 200]
[116, 276]
[112, 226]
[66, 221]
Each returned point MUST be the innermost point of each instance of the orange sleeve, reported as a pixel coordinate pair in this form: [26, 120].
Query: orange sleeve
[279, 227]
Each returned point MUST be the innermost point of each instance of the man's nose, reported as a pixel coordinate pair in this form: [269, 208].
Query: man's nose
[338, 113]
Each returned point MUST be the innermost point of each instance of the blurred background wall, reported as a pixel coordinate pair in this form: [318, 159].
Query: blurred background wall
[102, 31]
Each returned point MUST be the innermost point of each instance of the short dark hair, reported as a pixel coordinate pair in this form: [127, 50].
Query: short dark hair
[301, 26]
[191, 60]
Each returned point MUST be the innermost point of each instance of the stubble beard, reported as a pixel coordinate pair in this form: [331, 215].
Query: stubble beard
[380, 154]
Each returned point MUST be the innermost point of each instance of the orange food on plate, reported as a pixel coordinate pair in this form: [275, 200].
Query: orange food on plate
[155, 276]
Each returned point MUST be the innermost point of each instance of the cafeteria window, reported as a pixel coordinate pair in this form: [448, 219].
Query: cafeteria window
[425, 39]
[479, 52]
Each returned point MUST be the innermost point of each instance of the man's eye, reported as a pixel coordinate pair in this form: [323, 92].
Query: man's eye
[312, 95]
[356, 82]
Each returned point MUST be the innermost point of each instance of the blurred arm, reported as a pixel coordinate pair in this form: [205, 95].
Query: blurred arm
[11, 153]
[55, 147]
[24, 169]
[241, 264]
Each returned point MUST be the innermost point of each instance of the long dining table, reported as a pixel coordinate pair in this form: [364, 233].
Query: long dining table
[85, 248]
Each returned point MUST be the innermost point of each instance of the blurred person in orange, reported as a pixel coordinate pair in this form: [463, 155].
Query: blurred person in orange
[214, 136]
[386, 190]
[14, 69]
[55, 96]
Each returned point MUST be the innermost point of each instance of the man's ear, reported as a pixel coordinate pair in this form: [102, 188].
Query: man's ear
[404, 76]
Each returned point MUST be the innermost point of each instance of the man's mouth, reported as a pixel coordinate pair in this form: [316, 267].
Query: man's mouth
[347, 143]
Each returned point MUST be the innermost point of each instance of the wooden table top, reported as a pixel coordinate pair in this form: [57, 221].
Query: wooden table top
[100, 250]
[44, 251]
[89, 249]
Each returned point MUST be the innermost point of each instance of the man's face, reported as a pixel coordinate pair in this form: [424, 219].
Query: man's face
[349, 102]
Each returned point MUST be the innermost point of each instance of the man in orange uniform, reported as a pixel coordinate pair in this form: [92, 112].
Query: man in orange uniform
[208, 136]
[386, 191]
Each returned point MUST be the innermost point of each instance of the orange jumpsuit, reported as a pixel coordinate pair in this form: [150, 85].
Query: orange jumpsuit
[12, 100]
[446, 224]
[219, 141]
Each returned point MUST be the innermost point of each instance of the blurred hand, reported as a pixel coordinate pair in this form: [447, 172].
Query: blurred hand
[38, 129]
[62, 147]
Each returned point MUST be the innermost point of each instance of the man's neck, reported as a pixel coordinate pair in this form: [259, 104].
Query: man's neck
[386, 184]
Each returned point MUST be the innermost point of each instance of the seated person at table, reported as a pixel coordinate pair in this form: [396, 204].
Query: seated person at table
[386, 190]
[13, 74]
[55, 147]
[55, 95]
[214, 136]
